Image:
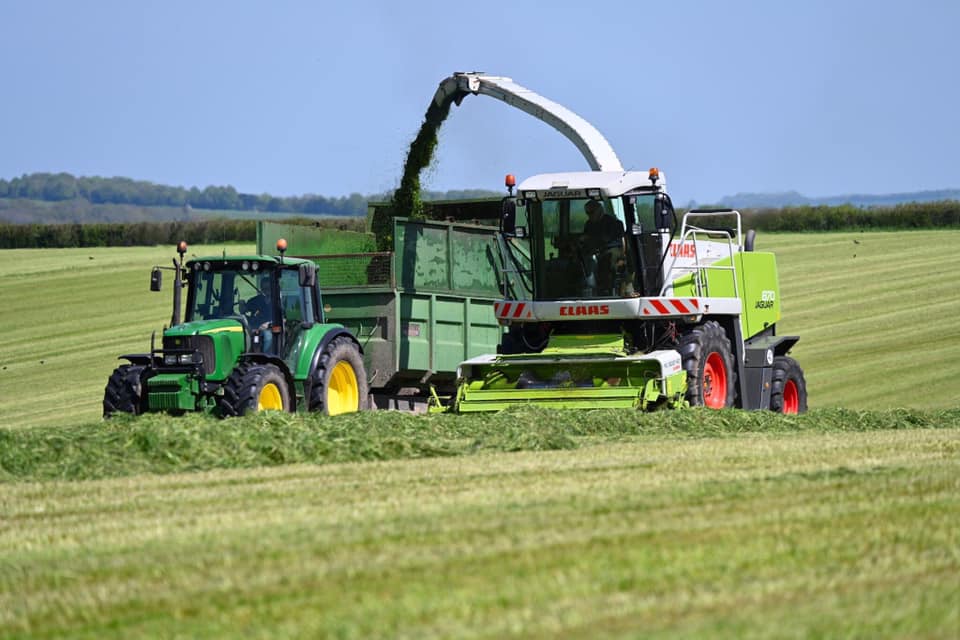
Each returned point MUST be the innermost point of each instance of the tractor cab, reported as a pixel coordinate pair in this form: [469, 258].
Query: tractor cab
[259, 306]
[268, 299]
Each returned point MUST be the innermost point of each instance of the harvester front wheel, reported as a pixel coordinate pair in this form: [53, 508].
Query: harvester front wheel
[124, 391]
[255, 387]
[708, 360]
[340, 379]
[788, 389]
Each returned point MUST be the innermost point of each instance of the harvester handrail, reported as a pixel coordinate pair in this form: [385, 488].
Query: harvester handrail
[690, 232]
[713, 213]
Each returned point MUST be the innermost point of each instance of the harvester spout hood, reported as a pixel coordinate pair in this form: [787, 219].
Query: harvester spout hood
[591, 143]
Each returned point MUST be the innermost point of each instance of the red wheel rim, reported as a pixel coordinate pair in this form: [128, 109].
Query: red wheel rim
[791, 397]
[715, 382]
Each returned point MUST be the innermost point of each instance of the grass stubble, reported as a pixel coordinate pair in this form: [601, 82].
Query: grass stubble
[527, 523]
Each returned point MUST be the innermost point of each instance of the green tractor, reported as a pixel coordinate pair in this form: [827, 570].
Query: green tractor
[253, 338]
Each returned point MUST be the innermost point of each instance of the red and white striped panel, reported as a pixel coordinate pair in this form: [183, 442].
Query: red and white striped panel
[513, 310]
[670, 307]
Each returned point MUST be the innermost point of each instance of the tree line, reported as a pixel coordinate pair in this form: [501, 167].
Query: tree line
[126, 234]
[57, 187]
[908, 215]
[927, 215]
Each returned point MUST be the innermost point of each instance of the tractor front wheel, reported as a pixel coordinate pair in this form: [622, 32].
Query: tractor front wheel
[124, 391]
[788, 389]
[340, 379]
[708, 360]
[255, 387]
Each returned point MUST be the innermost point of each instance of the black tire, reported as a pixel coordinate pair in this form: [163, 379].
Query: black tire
[340, 379]
[788, 390]
[124, 391]
[255, 387]
[708, 360]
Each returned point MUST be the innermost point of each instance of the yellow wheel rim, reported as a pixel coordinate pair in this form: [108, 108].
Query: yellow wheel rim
[343, 394]
[270, 398]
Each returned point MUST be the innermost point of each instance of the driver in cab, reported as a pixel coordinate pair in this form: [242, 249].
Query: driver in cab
[603, 237]
[257, 310]
[602, 231]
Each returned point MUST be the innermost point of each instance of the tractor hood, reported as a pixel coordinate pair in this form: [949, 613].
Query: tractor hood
[205, 327]
[210, 346]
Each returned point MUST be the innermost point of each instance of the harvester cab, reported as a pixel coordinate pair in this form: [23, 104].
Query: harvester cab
[580, 240]
[253, 337]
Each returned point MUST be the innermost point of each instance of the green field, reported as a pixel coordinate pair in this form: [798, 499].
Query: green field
[839, 523]
[812, 534]
[876, 315]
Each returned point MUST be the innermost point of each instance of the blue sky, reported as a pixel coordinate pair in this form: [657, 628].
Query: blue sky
[290, 98]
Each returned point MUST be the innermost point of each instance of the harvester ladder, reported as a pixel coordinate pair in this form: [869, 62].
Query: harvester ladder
[690, 232]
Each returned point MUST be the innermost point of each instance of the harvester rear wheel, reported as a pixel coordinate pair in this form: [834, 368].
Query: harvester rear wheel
[255, 387]
[124, 391]
[788, 390]
[708, 360]
[340, 379]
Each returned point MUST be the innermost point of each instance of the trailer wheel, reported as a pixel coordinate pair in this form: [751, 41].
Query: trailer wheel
[788, 389]
[255, 387]
[340, 379]
[124, 391]
[708, 360]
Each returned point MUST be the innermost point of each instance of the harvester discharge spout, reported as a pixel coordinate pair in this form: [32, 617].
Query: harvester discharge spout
[591, 143]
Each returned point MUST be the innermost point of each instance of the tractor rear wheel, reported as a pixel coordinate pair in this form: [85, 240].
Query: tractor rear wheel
[124, 391]
[340, 379]
[708, 360]
[788, 389]
[255, 387]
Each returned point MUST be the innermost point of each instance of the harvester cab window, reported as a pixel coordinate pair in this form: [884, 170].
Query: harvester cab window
[643, 210]
[583, 249]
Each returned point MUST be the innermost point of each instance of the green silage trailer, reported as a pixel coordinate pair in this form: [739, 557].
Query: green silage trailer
[418, 310]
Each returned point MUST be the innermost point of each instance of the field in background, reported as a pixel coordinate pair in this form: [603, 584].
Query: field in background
[875, 312]
[68, 314]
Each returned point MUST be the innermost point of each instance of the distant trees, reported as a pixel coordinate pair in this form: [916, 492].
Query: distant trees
[47, 236]
[57, 187]
[909, 215]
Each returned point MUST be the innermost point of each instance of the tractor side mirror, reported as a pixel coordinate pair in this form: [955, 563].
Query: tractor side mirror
[308, 275]
[156, 279]
[508, 216]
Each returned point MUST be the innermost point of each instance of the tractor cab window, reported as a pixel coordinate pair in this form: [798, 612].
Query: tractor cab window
[211, 296]
[583, 249]
[240, 294]
[297, 305]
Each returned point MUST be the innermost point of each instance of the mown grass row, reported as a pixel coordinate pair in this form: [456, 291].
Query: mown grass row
[158, 444]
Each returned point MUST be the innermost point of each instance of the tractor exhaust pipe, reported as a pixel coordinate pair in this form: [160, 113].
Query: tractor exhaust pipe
[177, 283]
